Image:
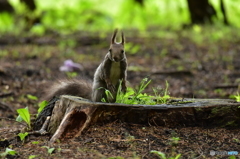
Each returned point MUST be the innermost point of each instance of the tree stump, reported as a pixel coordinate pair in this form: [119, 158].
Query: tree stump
[71, 115]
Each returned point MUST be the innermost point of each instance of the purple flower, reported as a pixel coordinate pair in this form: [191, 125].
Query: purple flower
[69, 66]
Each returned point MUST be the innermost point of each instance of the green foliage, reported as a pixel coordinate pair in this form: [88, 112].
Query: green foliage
[29, 96]
[6, 22]
[237, 97]
[41, 106]
[136, 96]
[32, 156]
[160, 154]
[24, 115]
[232, 157]
[50, 150]
[23, 135]
[38, 30]
[95, 15]
[71, 74]
[174, 141]
[8, 151]
[132, 48]
[163, 156]
[158, 91]
[35, 142]
[108, 94]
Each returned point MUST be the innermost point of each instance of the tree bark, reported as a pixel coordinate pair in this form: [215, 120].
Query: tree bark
[71, 115]
[5, 6]
[225, 19]
[201, 11]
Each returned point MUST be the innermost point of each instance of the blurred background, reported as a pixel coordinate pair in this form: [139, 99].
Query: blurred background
[41, 16]
[191, 44]
[188, 48]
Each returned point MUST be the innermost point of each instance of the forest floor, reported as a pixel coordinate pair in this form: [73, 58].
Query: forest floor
[194, 68]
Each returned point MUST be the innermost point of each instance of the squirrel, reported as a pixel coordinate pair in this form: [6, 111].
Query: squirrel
[109, 74]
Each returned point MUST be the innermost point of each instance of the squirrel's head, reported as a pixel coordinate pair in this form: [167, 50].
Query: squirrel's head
[116, 51]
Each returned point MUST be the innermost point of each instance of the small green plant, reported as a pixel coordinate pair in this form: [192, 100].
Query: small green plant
[108, 95]
[71, 74]
[24, 115]
[23, 136]
[8, 151]
[29, 96]
[237, 97]
[32, 156]
[50, 150]
[236, 140]
[161, 99]
[136, 96]
[163, 156]
[232, 157]
[35, 142]
[174, 141]
[41, 106]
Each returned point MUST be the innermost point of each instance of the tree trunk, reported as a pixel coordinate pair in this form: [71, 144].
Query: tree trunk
[5, 6]
[201, 11]
[71, 115]
[140, 2]
[225, 19]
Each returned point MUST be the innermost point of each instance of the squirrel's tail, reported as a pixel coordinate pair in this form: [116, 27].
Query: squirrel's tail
[80, 88]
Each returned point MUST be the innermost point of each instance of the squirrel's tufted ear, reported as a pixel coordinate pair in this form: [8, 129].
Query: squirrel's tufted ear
[123, 39]
[114, 36]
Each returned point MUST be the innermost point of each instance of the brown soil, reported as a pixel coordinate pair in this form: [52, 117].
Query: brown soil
[208, 70]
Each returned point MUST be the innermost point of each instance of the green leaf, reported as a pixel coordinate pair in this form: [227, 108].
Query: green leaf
[29, 96]
[237, 97]
[38, 29]
[22, 135]
[71, 74]
[232, 157]
[50, 150]
[25, 115]
[176, 138]
[19, 118]
[10, 151]
[32, 156]
[178, 156]
[160, 154]
[42, 105]
[35, 142]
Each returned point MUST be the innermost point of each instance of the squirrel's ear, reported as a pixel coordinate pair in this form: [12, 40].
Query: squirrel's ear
[123, 39]
[114, 36]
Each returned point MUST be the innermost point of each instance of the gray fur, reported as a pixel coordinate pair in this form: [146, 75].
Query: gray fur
[110, 72]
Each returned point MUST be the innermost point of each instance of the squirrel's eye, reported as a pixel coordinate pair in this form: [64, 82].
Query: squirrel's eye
[122, 51]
